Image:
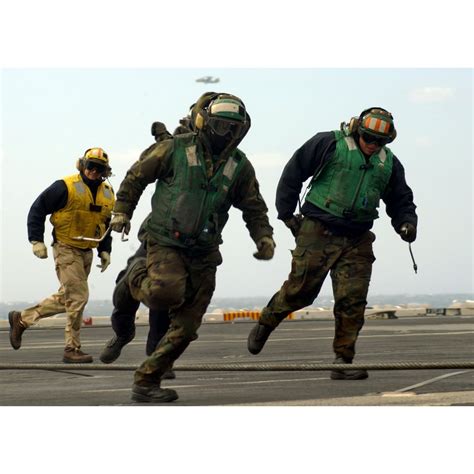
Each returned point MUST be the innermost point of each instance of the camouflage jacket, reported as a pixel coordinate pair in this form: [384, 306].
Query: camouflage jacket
[156, 163]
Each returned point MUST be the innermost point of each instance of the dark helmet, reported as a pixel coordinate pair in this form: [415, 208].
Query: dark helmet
[376, 125]
[221, 118]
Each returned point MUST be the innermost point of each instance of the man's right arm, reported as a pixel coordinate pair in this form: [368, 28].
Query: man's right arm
[153, 164]
[303, 164]
[50, 200]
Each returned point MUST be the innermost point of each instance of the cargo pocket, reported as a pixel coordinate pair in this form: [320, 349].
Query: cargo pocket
[63, 255]
[299, 273]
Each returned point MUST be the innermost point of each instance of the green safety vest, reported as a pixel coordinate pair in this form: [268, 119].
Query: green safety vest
[189, 209]
[348, 185]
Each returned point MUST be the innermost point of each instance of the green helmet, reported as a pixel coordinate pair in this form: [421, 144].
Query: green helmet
[227, 107]
[376, 124]
[220, 115]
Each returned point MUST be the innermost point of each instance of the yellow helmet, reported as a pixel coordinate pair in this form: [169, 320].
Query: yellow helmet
[98, 156]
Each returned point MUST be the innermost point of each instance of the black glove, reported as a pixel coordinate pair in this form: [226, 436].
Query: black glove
[294, 223]
[408, 232]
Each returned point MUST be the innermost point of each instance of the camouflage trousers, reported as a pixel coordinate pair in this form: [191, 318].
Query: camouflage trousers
[349, 261]
[72, 269]
[184, 284]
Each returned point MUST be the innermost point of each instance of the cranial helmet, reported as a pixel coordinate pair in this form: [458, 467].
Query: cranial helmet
[95, 156]
[222, 118]
[378, 123]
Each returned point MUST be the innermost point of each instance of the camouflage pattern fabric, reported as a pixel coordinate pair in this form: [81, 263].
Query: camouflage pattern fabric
[185, 284]
[349, 261]
[156, 162]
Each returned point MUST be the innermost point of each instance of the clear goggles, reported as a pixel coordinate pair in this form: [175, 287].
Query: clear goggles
[223, 127]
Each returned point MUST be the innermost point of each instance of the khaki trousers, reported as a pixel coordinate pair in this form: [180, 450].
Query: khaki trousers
[72, 269]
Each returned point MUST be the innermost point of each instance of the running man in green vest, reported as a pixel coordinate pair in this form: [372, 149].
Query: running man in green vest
[352, 170]
[199, 176]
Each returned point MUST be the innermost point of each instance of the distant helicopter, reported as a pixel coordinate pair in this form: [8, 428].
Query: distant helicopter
[208, 79]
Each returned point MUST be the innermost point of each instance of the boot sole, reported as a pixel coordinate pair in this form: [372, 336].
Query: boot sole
[108, 361]
[137, 397]
[168, 376]
[338, 376]
[254, 346]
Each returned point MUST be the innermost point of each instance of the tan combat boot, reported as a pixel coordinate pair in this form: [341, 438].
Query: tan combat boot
[75, 356]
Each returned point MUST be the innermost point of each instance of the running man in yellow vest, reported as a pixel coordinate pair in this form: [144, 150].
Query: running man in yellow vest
[80, 205]
[352, 170]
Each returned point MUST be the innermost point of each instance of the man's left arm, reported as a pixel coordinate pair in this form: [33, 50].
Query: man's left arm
[104, 249]
[248, 199]
[398, 198]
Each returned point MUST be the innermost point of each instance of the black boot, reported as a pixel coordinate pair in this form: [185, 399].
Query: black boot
[357, 374]
[153, 394]
[258, 337]
[168, 375]
[113, 348]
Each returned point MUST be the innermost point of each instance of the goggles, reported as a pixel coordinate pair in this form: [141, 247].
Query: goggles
[91, 165]
[373, 140]
[223, 127]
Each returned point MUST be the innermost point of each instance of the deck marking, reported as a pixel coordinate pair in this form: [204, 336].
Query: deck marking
[427, 382]
[177, 387]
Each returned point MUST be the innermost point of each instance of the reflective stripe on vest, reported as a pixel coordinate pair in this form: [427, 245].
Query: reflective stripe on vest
[77, 218]
[190, 209]
[349, 186]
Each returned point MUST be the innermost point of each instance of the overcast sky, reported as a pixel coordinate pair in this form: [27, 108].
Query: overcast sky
[51, 116]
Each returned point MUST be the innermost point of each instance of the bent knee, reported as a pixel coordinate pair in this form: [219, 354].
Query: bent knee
[165, 295]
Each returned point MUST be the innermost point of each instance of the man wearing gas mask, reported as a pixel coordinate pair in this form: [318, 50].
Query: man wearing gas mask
[352, 169]
[80, 206]
[198, 176]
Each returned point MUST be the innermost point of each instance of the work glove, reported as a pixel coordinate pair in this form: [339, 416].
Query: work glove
[266, 248]
[39, 249]
[294, 223]
[119, 222]
[408, 232]
[104, 261]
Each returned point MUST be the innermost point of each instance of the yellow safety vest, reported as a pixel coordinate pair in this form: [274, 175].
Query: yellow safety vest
[81, 215]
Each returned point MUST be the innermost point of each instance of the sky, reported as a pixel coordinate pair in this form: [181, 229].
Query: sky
[52, 115]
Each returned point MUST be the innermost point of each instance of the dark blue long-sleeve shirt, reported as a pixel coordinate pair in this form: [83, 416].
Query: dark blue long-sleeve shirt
[53, 199]
[309, 159]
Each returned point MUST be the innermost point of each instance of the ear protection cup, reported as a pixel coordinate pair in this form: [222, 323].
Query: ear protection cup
[198, 112]
[80, 164]
[200, 120]
[353, 125]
